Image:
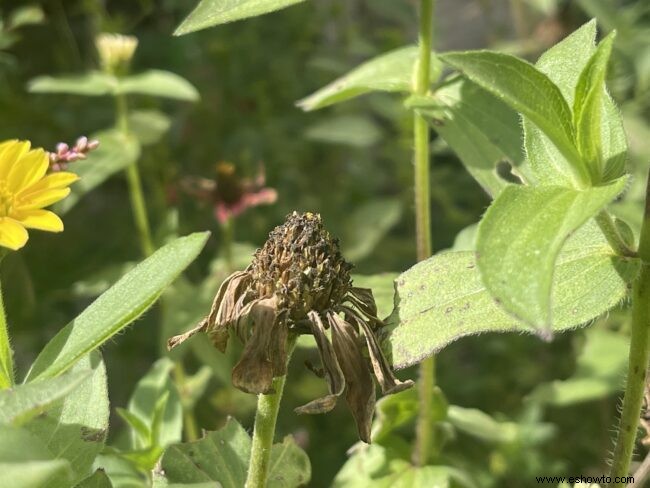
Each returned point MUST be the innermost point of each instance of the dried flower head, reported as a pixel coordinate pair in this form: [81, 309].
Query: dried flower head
[115, 51]
[228, 193]
[299, 283]
[65, 154]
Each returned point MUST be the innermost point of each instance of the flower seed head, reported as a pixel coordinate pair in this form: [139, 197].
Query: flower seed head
[301, 263]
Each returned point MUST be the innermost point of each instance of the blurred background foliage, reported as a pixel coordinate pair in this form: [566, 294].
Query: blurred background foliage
[549, 406]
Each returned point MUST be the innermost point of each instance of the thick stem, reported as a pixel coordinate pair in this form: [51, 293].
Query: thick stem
[424, 428]
[6, 354]
[612, 234]
[638, 360]
[266, 416]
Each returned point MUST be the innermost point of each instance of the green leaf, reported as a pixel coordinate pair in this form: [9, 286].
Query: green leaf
[214, 12]
[350, 130]
[97, 480]
[116, 151]
[289, 465]
[589, 111]
[26, 463]
[27, 15]
[142, 404]
[520, 237]
[158, 83]
[480, 425]
[367, 225]
[478, 127]
[599, 369]
[93, 83]
[529, 92]
[23, 402]
[222, 456]
[123, 303]
[443, 298]
[389, 72]
[77, 429]
[149, 126]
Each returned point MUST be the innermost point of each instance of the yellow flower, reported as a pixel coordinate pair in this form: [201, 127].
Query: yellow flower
[25, 190]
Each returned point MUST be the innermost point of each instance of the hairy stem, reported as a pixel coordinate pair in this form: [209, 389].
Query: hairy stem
[6, 354]
[424, 428]
[266, 416]
[612, 234]
[638, 360]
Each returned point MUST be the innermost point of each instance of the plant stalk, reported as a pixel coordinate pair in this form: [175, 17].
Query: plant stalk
[638, 358]
[425, 426]
[6, 354]
[266, 416]
[228, 229]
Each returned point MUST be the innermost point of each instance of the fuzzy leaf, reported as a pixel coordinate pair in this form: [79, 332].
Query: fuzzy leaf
[443, 298]
[478, 127]
[389, 72]
[214, 12]
[23, 402]
[529, 92]
[76, 430]
[123, 303]
[520, 237]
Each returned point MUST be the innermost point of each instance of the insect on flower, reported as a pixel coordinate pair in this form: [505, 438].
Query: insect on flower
[25, 190]
[299, 283]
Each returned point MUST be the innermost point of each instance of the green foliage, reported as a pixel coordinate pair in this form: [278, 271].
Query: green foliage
[222, 456]
[213, 12]
[390, 72]
[520, 238]
[443, 298]
[123, 303]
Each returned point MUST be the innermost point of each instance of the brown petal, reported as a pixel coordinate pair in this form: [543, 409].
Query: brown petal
[333, 373]
[222, 317]
[364, 300]
[389, 384]
[360, 387]
[320, 405]
[217, 332]
[264, 355]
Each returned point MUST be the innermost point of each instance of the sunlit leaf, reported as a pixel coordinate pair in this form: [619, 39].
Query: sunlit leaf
[77, 429]
[443, 298]
[390, 72]
[23, 402]
[213, 12]
[519, 239]
[118, 307]
[93, 83]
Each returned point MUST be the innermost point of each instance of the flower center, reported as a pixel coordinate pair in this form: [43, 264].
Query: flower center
[7, 198]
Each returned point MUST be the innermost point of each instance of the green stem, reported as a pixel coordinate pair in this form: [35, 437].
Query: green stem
[266, 416]
[638, 359]
[612, 234]
[138, 206]
[6, 354]
[228, 228]
[424, 429]
[189, 422]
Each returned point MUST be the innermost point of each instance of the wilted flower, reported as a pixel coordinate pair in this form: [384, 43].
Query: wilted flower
[298, 283]
[229, 194]
[115, 51]
[65, 154]
[25, 190]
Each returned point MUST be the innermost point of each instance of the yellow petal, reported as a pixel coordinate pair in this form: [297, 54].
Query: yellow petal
[28, 170]
[52, 181]
[10, 153]
[41, 220]
[12, 234]
[41, 199]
